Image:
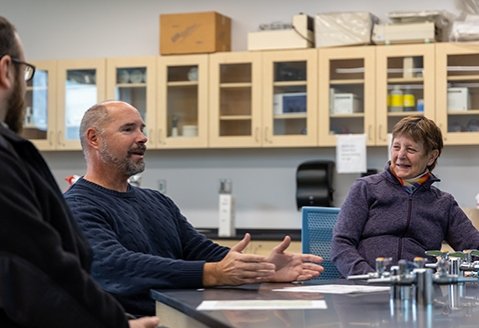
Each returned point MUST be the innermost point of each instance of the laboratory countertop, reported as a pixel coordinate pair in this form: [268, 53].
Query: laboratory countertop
[449, 308]
[256, 234]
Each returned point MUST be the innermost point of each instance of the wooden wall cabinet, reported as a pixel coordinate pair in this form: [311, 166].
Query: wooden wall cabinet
[80, 85]
[133, 80]
[182, 101]
[263, 99]
[403, 71]
[347, 88]
[41, 110]
[457, 92]
[235, 100]
[283, 98]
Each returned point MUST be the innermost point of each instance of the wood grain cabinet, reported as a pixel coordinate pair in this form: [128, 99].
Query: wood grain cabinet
[182, 101]
[457, 92]
[290, 107]
[263, 99]
[405, 85]
[235, 108]
[80, 85]
[346, 93]
[133, 80]
[40, 113]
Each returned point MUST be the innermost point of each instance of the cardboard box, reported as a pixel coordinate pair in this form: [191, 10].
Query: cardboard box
[190, 33]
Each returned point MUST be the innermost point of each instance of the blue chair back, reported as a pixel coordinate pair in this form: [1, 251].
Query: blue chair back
[317, 235]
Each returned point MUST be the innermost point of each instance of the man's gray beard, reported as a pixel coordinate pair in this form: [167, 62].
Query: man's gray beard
[124, 165]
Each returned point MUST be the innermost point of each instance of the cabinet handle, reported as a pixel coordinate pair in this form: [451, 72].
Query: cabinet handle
[266, 139]
[370, 130]
[381, 133]
[59, 138]
[444, 133]
[256, 134]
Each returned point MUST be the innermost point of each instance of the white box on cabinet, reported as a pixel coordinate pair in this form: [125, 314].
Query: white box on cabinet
[345, 103]
[458, 99]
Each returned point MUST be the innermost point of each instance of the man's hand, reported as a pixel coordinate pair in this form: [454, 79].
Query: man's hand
[145, 322]
[237, 268]
[293, 267]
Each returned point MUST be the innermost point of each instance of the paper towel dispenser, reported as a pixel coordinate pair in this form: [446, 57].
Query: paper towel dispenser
[314, 184]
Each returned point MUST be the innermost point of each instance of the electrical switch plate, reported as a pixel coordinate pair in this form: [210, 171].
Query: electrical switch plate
[162, 186]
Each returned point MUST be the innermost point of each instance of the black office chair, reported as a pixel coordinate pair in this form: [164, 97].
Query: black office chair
[314, 184]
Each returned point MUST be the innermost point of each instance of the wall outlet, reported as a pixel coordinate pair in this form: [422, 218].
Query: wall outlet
[162, 186]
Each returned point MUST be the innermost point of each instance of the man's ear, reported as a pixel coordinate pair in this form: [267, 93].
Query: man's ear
[92, 137]
[6, 74]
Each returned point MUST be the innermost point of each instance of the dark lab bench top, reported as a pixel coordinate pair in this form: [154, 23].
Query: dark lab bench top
[256, 234]
[449, 308]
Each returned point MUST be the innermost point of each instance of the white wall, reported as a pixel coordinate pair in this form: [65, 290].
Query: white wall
[263, 179]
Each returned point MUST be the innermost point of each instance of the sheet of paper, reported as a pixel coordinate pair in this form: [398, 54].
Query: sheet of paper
[335, 289]
[262, 305]
[351, 153]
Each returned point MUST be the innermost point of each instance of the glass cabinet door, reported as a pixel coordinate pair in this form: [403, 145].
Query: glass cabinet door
[39, 121]
[405, 85]
[235, 102]
[182, 101]
[133, 80]
[458, 93]
[290, 103]
[82, 84]
[346, 93]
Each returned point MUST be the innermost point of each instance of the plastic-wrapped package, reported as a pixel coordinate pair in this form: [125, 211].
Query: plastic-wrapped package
[466, 27]
[344, 28]
[467, 30]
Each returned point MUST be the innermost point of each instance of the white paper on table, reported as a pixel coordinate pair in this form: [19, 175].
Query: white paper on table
[334, 289]
[262, 305]
[351, 153]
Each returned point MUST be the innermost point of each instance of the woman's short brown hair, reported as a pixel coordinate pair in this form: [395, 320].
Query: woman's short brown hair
[421, 129]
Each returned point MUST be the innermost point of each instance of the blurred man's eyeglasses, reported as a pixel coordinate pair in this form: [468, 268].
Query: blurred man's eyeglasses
[29, 71]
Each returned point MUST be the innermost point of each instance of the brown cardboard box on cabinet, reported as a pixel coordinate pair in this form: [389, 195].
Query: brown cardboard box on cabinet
[190, 33]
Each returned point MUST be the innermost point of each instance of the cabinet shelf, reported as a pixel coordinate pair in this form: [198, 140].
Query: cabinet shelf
[289, 83]
[290, 116]
[235, 117]
[346, 82]
[463, 112]
[131, 85]
[405, 80]
[399, 114]
[182, 83]
[463, 78]
[235, 85]
[352, 115]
